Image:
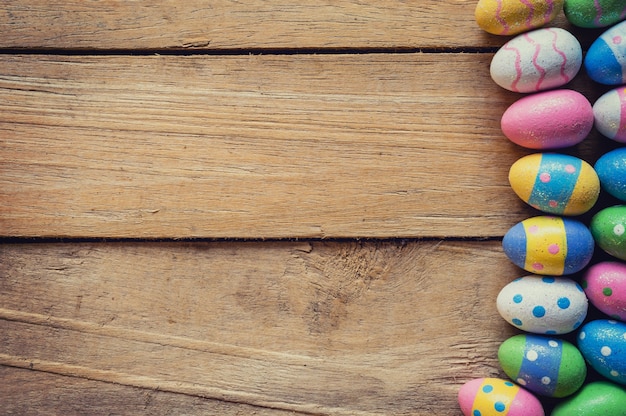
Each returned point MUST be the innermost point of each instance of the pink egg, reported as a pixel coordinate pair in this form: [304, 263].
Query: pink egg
[495, 396]
[548, 120]
[605, 286]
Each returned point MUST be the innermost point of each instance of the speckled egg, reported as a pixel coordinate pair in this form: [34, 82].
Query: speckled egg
[549, 245]
[605, 61]
[609, 112]
[510, 17]
[555, 183]
[593, 399]
[538, 60]
[611, 170]
[603, 344]
[548, 120]
[543, 305]
[594, 13]
[545, 366]
[605, 286]
[494, 396]
[608, 228]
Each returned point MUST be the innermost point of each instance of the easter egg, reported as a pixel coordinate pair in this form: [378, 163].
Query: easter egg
[549, 245]
[543, 305]
[548, 120]
[510, 17]
[611, 170]
[555, 183]
[604, 284]
[594, 13]
[605, 61]
[545, 366]
[495, 396]
[607, 228]
[593, 399]
[603, 345]
[538, 60]
[609, 112]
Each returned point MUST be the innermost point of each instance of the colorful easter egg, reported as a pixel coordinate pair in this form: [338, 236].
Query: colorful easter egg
[607, 227]
[605, 61]
[594, 13]
[609, 112]
[545, 366]
[494, 396]
[549, 245]
[605, 286]
[510, 17]
[538, 60]
[548, 120]
[593, 399]
[611, 170]
[543, 305]
[555, 183]
[603, 344]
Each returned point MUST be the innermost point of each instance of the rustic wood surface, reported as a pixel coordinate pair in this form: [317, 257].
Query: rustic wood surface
[263, 207]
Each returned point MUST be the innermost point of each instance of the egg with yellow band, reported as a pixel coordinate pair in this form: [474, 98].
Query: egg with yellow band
[555, 183]
[549, 245]
[494, 396]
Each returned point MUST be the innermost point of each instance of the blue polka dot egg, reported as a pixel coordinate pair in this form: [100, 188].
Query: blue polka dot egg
[543, 305]
[495, 396]
[603, 344]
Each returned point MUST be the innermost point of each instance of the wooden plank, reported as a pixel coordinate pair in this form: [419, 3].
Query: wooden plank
[224, 24]
[354, 328]
[255, 146]
[26, 392]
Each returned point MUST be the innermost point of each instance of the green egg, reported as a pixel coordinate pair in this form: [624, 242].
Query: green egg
[594, 14]
[608, 228]
[544, 365]
[600, 398]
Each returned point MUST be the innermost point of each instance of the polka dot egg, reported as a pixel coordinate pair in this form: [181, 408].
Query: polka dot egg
[605, 286]
[603, 344]
[494, 396]
[605, 61]
[549, 245]
[555, 183]
[608, 228]
[544, 365]
[543, 305]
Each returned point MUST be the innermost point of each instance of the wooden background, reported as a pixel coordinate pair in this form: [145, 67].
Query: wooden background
[261, 207]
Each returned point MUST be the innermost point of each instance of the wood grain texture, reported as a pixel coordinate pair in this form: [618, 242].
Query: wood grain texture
[320, 146]
[227, 24]
[322, 327]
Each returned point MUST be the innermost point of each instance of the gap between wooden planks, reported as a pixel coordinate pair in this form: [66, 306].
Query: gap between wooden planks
[294, 146]
[316, 327]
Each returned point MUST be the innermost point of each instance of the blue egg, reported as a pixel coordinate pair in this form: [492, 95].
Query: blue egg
[603, 345]
[549, 245]
[611, 169]
[605, 61]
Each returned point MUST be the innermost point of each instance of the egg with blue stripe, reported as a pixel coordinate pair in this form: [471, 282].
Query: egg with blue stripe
[546, 366]
[549, 245]
[555, 183]
[605, 61]
[495, 396]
